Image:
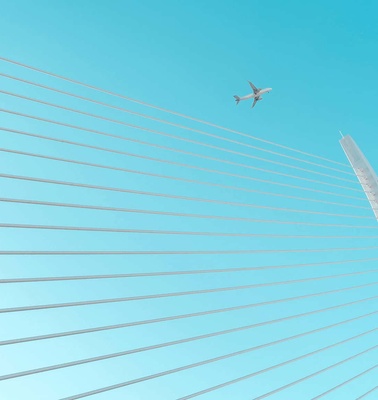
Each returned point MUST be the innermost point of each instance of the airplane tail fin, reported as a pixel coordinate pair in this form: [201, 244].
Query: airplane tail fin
[237, 99]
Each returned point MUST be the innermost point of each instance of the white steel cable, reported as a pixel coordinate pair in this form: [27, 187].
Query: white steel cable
[169, 111]
[317, 372]
[189, 140]
[171, 273]
[253, 374]
[162, 147]
[368, 393]
[171, 196]
[161, 176]
[189, 233]
[175, 252]
[326, 393]
[153, 347]
[179, 294]
[175, 125]
[176, 214]
[200, 363]
[192, 315]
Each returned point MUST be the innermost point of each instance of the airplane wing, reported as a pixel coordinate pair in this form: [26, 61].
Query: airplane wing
[254, 88]
[255, 101]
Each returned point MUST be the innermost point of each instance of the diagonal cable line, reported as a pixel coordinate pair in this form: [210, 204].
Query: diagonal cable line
[346, 382]
[168, 111]
[179, 294]
[139, 172]
[171, 196]
[222, 138]
[153, 347]
[368, 393]
[191, 141]
[200, 363]
[253, 374]
[318, 372]
[175, 252]
[170, 273]
[183, 165]
[189, 233]
[194, 315]
[175, 214]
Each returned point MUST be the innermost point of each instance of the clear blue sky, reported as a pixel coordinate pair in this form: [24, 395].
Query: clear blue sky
[320, 59]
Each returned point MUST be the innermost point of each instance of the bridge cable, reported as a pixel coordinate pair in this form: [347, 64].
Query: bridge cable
[169, 111]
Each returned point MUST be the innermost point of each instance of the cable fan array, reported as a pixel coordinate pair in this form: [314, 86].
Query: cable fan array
[150, 254]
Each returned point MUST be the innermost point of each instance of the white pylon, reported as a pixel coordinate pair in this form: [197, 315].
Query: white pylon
[364, 171]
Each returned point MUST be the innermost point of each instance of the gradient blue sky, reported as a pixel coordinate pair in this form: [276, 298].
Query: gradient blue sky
[320, 59]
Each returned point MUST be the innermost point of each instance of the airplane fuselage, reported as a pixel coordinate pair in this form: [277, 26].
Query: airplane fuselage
[255, 95]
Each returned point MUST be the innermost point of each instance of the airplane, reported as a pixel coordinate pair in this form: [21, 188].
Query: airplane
[256, 95]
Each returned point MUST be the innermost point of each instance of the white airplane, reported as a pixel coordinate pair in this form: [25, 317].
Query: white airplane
[256, 95]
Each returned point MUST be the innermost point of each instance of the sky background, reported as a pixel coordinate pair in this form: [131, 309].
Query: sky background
[191, 57]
